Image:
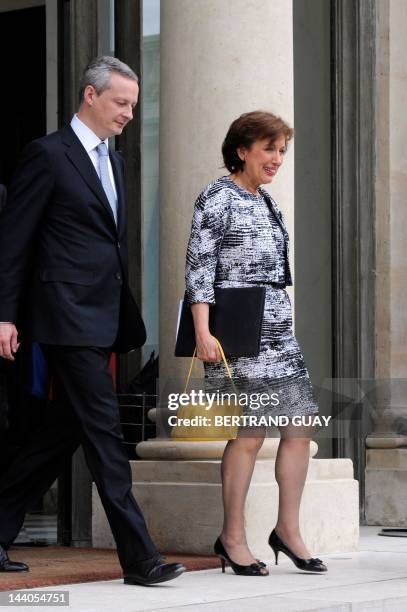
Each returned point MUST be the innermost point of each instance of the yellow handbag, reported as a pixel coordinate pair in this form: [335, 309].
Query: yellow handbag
[207, 431]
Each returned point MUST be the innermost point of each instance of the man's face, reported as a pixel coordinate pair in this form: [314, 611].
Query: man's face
[110, 111]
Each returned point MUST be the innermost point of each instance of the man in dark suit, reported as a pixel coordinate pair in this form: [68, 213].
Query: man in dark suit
[63, 284]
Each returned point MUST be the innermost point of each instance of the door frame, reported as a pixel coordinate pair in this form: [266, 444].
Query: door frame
[353, 38]
[79, 40]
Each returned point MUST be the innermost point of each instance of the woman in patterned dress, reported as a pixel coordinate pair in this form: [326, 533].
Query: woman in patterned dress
[238, 239]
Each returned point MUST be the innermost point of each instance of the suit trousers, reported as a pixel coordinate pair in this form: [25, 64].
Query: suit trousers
[85, 412]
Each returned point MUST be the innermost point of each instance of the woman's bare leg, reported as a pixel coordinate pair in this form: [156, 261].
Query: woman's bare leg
[238, 463]
[291, 471]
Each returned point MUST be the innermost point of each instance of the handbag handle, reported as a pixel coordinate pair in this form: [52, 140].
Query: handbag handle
[224, 361]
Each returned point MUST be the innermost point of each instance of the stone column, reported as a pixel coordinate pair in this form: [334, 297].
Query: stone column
[218, 60]
[386, 471]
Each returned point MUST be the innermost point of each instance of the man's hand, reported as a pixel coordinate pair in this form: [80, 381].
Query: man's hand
[8, 340]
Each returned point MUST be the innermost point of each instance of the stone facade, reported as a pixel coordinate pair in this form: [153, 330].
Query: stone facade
[386, 468]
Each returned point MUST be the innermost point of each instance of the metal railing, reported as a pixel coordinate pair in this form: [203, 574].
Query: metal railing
[136, 425]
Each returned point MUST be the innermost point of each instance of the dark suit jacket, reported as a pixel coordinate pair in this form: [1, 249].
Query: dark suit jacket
[63, 261]
[3, 196]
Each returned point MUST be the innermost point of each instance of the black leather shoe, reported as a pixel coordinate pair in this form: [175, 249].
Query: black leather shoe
[10, 566]
[308, 565]
[254, 569]
[153, 571]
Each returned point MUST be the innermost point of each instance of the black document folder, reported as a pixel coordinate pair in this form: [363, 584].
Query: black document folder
[235, 320]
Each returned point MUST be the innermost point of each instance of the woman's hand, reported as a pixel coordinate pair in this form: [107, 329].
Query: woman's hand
[207, 348]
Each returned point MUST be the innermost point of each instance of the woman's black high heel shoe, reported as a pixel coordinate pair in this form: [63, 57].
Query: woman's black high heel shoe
[308, 565]
[254, 569]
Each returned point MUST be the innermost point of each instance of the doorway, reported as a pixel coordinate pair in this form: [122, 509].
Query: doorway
[334, 93]
[23, 69]
[23, 108]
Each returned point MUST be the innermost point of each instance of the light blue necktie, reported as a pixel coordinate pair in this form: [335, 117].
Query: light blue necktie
[105, 178]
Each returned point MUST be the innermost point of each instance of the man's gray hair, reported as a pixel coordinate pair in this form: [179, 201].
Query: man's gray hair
[98, 72]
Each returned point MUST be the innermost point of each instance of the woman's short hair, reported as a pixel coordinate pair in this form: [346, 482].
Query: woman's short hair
[248, 128]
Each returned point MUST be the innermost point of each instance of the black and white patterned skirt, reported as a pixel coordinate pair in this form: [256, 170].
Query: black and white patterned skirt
[278, 369]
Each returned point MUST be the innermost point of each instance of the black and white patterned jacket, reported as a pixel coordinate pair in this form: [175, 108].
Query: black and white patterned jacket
[236, 238]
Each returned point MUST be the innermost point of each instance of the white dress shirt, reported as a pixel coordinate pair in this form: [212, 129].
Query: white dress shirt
[90, 141]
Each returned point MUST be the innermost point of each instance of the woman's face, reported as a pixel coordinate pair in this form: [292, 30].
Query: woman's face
[262, 160]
